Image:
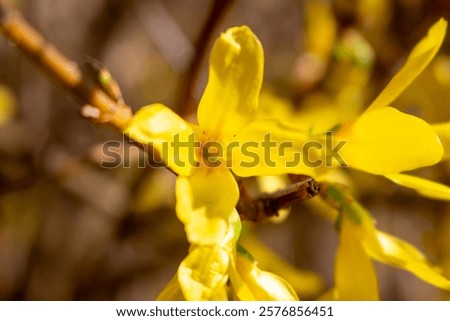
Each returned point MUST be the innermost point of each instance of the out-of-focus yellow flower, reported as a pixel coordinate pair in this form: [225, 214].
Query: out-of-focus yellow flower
[374, 17]
[311, 65]
[320, 20]
[344, 94]
[7, 105]
[361, 242]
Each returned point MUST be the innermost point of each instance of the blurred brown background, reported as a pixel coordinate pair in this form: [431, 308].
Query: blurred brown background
[70, 230]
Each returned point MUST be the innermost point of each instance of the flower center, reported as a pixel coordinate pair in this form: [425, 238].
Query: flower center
[211, 154]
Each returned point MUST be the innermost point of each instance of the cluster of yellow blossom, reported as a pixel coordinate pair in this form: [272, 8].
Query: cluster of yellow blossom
[234, 138]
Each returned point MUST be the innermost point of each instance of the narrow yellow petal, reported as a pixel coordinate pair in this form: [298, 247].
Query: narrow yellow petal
[203, 273]
[396, 252]
[443, 131]
[355, 276]
[239, 285]
[205, 202]
[306, 284]
[251, 283]
[387, 141]
[172, 291]
[169, 134]
[419, 58]
[269, 147]
[423, 186]
[235, 77]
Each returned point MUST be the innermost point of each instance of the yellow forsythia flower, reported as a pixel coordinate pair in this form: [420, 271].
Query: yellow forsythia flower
[206, 190]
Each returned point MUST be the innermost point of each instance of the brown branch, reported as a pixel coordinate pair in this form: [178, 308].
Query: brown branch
[267, 205]
[67, 73]
[215, 16]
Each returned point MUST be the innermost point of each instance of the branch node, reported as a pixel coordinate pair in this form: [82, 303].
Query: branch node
[103, 95]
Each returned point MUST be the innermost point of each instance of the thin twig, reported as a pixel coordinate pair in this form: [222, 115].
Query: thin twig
[215, 16]
[267, 205]
[66, 72]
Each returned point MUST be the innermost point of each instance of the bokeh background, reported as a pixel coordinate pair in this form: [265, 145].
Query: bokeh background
[71, 230]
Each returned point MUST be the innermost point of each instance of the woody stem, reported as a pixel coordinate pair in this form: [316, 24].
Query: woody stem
[66, 72]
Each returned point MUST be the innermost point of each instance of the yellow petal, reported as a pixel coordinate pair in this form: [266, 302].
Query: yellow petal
[306, 283]
[443, 131]
[203, 273]
[169, 134]
[391, 250]
[387, 141]
[355, 277]
[235, 76]
[172, 291]
[268, 147]
[205, 202]
[419, 58]
[423, 186]
[251, 283]
[239, 285]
